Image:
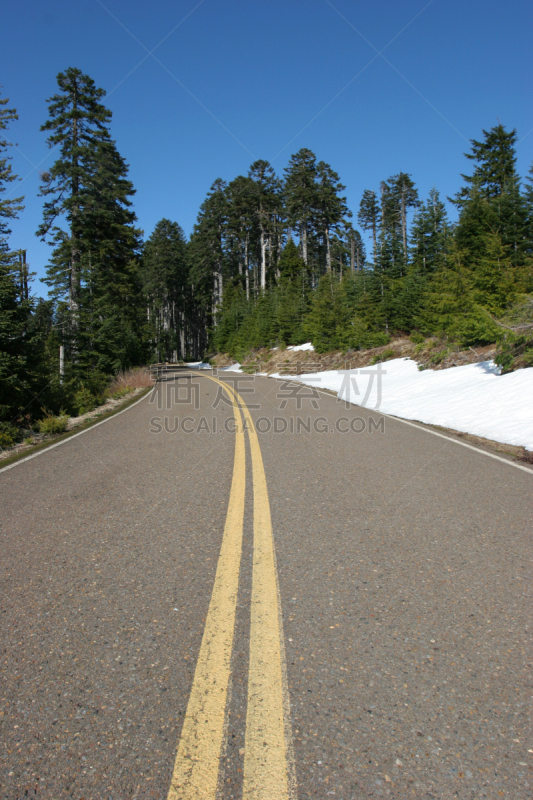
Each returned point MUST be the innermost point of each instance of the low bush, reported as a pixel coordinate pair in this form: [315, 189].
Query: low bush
[514, 351]
[129, 380]
[119, 393]
[9, 434]
[85, 401]
[51, 424]
[386, 355]
[438, 358]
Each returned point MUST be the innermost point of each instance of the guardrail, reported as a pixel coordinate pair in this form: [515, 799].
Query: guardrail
[158, 370]
[294, 368]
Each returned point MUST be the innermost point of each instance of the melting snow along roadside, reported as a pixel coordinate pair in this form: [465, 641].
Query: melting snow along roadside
[473, 398]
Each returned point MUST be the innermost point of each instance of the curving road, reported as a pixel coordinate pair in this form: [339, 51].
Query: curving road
[240, 588]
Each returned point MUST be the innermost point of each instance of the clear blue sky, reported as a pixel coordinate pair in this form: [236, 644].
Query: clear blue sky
[371, 86]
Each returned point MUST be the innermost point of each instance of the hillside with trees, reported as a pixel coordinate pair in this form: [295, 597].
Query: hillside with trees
[272, 260]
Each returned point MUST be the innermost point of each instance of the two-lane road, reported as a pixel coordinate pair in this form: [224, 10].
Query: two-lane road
[241, 588]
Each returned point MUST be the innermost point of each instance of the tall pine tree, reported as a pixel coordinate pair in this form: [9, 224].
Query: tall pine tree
[94, 262]
[15, 305]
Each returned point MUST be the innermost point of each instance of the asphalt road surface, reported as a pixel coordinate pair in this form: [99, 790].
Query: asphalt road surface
[240, 588]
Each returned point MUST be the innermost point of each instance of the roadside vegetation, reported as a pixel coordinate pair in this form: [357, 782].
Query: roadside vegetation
[84, 405]
[273, 260]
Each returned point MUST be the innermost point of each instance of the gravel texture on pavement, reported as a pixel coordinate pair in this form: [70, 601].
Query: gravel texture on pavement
[404, 577]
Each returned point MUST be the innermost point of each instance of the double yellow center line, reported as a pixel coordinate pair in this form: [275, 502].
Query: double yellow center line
[268, 762]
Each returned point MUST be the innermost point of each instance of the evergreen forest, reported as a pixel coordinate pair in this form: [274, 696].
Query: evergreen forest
[272, 260]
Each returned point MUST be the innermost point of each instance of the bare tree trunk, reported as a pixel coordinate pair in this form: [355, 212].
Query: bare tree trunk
[240, 255]
[352, 254]
[328, 250]
[247, 266]
[303, 239]
[404, 228]
[74, 284]
[263, 260]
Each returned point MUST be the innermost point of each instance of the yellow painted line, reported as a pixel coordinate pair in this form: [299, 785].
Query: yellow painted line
[196, 768]
[268, 754]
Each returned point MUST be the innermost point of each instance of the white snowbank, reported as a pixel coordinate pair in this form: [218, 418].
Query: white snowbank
[198, 364]
[231, 368]
[297, 348]
[474, 398]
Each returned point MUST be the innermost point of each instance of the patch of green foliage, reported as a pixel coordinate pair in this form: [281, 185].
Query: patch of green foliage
[51, 424]
[119, 393]
[438, 358]
[514, 351]
[386, 355]
[9, 434]
[84, 401]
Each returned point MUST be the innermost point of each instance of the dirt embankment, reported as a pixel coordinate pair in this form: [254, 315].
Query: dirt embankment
[430, 354]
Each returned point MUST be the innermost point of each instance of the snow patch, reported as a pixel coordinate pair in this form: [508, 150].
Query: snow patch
[473, 398]
[231, 368]
[298, 348]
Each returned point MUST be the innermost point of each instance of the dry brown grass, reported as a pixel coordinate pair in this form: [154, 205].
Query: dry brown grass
[130, 379]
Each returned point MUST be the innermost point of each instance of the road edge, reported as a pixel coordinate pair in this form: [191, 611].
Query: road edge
[69, 436]
[420, 427]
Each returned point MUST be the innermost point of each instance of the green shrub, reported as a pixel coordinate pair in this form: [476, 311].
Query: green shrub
[84, 401]
[438, 358]
[528, 357]
[122, 392]
[514, 351]
[96, 382]
[51, 424]
[9, 434]
[386, 355]
[417, 338]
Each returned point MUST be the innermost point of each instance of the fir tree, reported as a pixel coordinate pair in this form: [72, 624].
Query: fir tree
[9, 207]
[292, 295]
[300, 193]
[94, 259]
[78, 123]
[331, 207]
[493, 190]
[166, 289]
[449, 304]
[402, 195]
[368, 217]
[208, 251]
[15, 304]
[242, 227]
[265, 196]
[429, 235]
[495, 165]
